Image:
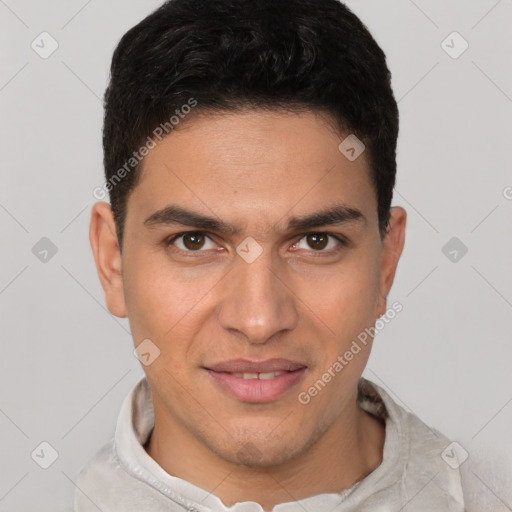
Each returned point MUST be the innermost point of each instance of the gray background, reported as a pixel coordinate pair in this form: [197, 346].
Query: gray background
[67, 364]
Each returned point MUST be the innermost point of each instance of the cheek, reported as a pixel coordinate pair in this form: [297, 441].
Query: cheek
[159, 299]
[345, 297]
[348, 307]
[165, 303]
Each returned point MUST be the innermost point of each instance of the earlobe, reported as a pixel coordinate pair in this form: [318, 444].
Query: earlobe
[107, 256]
[392, 247]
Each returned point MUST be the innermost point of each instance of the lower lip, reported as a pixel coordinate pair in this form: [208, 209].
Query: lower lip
[257, 390]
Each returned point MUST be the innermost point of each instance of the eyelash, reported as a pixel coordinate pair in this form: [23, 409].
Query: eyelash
[340, 238]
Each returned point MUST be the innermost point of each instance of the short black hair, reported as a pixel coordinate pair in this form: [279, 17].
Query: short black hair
[226, 55]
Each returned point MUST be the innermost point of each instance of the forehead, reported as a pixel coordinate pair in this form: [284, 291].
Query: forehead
[257, 165]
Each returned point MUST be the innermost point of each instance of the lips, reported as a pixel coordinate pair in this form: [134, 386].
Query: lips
[256, 381]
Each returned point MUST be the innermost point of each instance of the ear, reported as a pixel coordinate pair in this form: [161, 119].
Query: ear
[392, 246]
[107, 255]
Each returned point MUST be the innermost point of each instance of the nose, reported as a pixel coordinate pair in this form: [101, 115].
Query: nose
[257, 302]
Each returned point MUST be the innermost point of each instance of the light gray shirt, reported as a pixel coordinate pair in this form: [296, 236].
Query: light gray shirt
[412, 477]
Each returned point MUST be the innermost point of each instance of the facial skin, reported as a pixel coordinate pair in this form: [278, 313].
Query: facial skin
[300, 300]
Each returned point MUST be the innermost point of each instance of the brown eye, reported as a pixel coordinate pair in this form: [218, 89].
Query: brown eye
[317, 241]
[193, 241]
[323, 243]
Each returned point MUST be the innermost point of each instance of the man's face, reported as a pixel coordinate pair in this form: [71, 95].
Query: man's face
[269, 289]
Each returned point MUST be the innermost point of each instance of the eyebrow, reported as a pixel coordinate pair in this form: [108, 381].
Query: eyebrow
[333, 216]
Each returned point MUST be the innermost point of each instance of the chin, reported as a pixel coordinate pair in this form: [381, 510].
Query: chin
[260, 453]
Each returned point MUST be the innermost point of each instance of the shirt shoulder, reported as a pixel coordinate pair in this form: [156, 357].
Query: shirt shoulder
[105, 484]
[416, 472]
